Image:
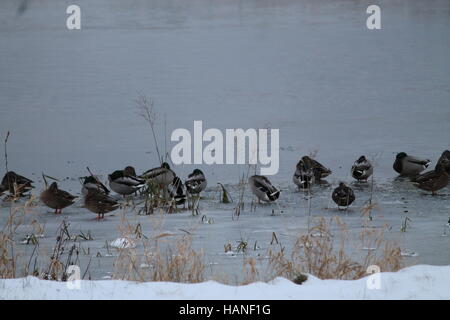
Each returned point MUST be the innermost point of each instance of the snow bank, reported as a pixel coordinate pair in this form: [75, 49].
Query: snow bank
[417, 282]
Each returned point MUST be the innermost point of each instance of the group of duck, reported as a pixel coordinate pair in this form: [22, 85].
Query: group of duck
[308, 172]
[96, 195]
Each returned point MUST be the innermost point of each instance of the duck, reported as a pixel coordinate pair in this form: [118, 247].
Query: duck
[343, 195]
[263, 189]
[16, 184]
[433, 180]
[319, 170]
[162, 176]
[407, 165]
[56, 198]
[445, 156]
[121, 182]
[196, 182]
[176, 191]
[92, 183]
[303, 176]
[100, 203]
[362, 169]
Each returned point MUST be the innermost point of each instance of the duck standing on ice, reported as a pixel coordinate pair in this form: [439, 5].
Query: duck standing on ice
[196, 182]
[162, 176]
[100, 203]
[343, 195]
[92, 183]
[56, 198]
[434, 180]
[362, 169]
[410, 166]
[263, 189]
[124, 183]
[319, 170]
[303, 176]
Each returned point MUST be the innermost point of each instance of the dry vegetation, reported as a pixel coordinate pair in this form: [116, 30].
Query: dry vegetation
[325, 252]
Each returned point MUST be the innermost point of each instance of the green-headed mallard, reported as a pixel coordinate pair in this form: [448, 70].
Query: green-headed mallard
[92, 183]
[100, 203]
[57, 199]
[343, 195]
[196, 182]
[433, 180]
[263, 189]
[162, 176]
[16, 184]
[410, 166]
[362, 169]
[123, 183]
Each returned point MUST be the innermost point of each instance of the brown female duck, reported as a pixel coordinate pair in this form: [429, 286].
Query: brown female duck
[434, 180]
[100, 203]
[56, 199]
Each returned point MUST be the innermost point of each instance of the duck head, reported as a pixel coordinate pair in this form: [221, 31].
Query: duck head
[53, 187]
[129, 171]
[165, 165]
[361, 159]
[89, 179]
[401, 155]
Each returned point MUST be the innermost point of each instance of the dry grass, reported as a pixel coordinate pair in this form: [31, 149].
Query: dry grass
[327, 255]
[8, 257]
[324, 251]
[160, 257]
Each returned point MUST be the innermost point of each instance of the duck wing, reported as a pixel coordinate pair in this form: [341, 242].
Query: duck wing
[65, 195]
[427, 176]
[415, 160]
[129, 181]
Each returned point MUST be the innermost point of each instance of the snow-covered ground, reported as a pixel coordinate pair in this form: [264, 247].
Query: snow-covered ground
[418, 282]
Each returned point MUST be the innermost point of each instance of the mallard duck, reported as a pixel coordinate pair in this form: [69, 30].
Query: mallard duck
[196, 182]
[319, 170]
[92, 183]
[433, 180]
[410, 166]
[263, 189]
[124, 184]
[303, 176]
[445, 156]
[176, 191]
[343, 195]
[56, 199]
[100, 203]
[16, 184]
[362, 169]
[162, 176]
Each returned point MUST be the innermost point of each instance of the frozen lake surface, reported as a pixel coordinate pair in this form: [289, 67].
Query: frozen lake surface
[312, 70]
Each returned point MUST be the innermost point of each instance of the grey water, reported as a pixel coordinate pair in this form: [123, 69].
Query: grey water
[311, 69]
